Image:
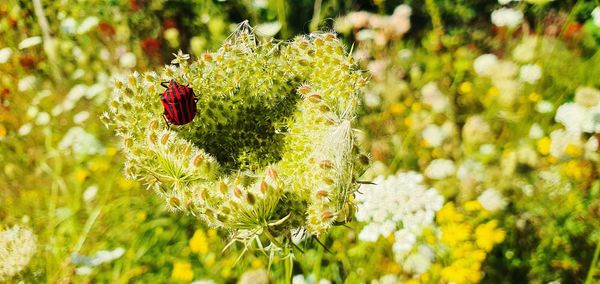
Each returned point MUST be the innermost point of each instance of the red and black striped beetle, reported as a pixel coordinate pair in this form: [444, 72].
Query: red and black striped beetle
[179, 102]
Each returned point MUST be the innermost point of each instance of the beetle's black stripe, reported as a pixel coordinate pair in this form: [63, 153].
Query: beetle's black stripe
[180, 104]
[172, 111]
[166, 105]
[175, 105]
[183, 104]
[173, 117]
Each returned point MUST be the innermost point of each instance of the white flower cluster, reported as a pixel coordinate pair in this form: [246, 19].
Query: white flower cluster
[596, 16]
[401, 205]
[583, 115]
[440, 169]
[506, 76]
[578, 117]
[70, 25]
[488, 65]
[435, 135]
[300, 279]
[30, 42]
[81, 142]
[86, 263]
[5, 54]
[17, 247]
[492, 200]
[507, 17]
[434, 97]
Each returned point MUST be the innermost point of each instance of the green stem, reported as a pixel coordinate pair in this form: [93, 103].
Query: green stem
[591, 271]
[282, 17]
[272, 238]
[317, 265]
[436, 19]
[48, 40]
[289, 267]
[86, 229]
[314, 23]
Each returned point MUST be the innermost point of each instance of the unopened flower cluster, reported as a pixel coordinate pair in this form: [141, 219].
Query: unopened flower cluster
[271, 148]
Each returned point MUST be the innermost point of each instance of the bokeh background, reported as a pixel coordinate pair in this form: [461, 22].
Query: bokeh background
[481, 120]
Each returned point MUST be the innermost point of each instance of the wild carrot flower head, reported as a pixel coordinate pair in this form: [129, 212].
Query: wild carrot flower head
[271, 148]
[17, 246]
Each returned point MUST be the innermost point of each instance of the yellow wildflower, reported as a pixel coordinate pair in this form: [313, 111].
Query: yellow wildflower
[577, 170]
[182, 271]
[126, 184]
[391, 238]
[454, 233]
[573, 150]
[458, 273]
[210, 260]
[212, 233]
[408, 121]
[448, 214]
[472, 205]
[534, 97]
[81, 175]
[429, 236]
[465, 88]
[199, 242]
[99, 165]
[257, 263]
[397, 108]
[487, 235]
[2, 131]
[140, 216]
[416, 107]
[391, 267]
[492, 92]
[111, 151]
[543, 145]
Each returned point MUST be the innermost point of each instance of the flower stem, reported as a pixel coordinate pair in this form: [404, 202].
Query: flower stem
[314, 23]
[289, 267]
[436, 19]
[592, 269]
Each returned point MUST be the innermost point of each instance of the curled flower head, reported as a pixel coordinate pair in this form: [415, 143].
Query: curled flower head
[271, 148]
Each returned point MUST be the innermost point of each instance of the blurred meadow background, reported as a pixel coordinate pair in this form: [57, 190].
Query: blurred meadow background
[481, 121]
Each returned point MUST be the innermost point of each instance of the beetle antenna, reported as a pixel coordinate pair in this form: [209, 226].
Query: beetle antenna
[164, 84]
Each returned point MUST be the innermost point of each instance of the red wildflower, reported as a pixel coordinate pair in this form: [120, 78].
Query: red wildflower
[106, 29]
[151, 47]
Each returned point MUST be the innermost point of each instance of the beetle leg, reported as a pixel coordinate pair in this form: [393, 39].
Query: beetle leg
[167, 122]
